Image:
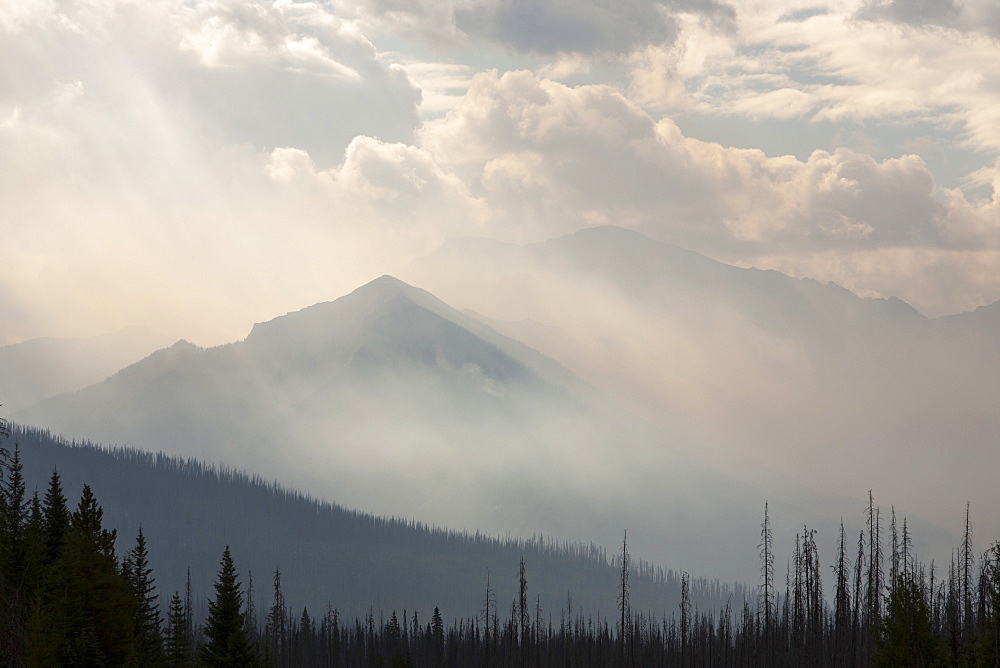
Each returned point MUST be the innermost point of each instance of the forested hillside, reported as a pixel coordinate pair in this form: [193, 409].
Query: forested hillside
[68, 598]
[328, 555]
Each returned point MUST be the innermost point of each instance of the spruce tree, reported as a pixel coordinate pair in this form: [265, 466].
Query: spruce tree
[904, 636]
[13, 522]
[147, 619]
[13, 596]
[95, 600]
[177, 643]
[55, 513]
[226, 639]
[437, 636]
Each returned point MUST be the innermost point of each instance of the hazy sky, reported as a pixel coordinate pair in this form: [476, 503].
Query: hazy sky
[199, 165]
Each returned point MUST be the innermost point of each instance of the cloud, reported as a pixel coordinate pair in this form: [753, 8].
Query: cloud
[975, 16]
[935, 12]
[554, 26]
[549, 158]
[269, 151]
[881, 62]
[545, 27]
[133, 140]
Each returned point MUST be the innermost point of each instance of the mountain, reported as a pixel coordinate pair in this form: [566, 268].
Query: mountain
[39, 368]
[391, 401]
[327, 555]
[775, 378]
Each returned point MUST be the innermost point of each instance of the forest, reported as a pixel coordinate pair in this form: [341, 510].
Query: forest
[68, 597]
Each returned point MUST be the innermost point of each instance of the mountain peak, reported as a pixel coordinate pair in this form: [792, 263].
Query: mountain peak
[325, 318]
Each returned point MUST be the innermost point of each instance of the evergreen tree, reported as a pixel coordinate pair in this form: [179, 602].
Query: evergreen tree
[988, 650]
[766, 547]
[226, 639]
[13, 521]
[437, 637]
[842, 598]
[177, 644]
[56, 515]
[147, 619]
[904, 634]
[84, 615]
[14, 580]
[276, 633]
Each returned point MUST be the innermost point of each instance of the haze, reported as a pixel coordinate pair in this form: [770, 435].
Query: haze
[194, 168]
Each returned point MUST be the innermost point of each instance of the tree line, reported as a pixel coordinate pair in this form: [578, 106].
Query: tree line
[67, 598]
[189, 509]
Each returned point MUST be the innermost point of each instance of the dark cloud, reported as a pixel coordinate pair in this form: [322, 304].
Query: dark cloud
[913, 12]
[594, 26]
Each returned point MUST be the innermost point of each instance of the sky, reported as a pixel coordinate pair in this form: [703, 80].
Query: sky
[195, 166]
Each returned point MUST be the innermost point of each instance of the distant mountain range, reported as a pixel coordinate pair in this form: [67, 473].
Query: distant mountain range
[40, 368]
[775, 378]
[651, 389]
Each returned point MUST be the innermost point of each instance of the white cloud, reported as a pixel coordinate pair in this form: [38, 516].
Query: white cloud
[837, 65]
[550, 158]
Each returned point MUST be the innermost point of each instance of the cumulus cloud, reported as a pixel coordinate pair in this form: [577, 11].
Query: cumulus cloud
[547, 27]
[133, 157]
[225, 142]
[899, 62]
[550, 158]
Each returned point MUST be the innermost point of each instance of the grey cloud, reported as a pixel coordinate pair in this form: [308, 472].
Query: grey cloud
[972, 16]
[554, 26]
[551, 26]
[915, 12]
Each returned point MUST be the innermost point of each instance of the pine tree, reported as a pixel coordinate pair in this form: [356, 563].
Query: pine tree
[87, 608]
[437, 637]
[147, 619]
[766, 547]
[226, 640]
[13, 521]
[177, 644]
[904, 635]
[489, 612]
[522, 602]
[14, 592]
[685, 620]
[623, 596]
[55, 513]
[277, 623]
[842, 597]
[988, 650]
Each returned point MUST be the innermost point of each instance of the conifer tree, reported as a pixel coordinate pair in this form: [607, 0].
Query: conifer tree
[177, 643]
[437, 636]
[842, 595]
[13, 521]
[85, 614]
[56, 518]
[904, 635]
[147, 619]
[226, 643]
[988, 650]
[14, 591]
[277, 623]
[623, 595]
[766, 547]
